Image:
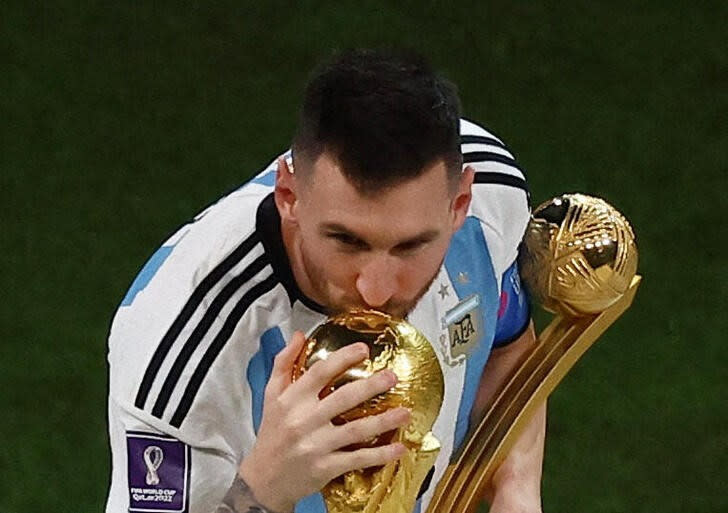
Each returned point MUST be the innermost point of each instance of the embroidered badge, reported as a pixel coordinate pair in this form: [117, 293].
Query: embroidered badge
[159, 472]
[464, 327]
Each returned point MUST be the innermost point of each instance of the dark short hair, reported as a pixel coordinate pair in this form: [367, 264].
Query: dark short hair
[384, 115]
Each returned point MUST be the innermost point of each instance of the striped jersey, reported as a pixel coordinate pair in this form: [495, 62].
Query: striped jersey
[192, 344]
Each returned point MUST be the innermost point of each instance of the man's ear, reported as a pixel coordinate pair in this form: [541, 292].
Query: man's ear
[285, 190]
[463, 196]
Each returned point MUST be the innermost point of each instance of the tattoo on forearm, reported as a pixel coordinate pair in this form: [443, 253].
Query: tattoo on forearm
[239, 499]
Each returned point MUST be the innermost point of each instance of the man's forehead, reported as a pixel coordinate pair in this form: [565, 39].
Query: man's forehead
[396, 213]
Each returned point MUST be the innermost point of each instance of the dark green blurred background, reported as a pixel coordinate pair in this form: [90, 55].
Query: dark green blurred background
[119, 122]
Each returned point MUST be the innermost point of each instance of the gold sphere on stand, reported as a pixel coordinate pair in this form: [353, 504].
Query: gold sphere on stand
[578, 255]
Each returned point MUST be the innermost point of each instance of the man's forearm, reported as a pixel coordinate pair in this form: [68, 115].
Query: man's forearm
[239, 499]
[516, 484]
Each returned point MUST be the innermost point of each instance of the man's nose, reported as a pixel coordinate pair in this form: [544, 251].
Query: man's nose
[377, 281]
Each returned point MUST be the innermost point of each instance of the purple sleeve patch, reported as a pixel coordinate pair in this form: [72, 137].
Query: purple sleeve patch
[159, 472]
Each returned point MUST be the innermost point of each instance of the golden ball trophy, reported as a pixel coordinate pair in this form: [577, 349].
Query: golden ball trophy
[579, 261]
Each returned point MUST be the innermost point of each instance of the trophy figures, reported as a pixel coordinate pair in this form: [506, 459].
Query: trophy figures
[579, 261]
[395, 345]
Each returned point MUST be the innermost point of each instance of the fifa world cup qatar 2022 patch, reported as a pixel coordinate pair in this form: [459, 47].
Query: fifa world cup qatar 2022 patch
[158, 472]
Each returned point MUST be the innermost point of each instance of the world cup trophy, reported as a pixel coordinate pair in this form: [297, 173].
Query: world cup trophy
[579, 261]
[395, 345]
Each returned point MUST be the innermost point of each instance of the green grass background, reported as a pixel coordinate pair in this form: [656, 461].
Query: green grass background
[120, 120]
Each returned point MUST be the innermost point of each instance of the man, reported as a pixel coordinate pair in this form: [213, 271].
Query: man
[387, 201]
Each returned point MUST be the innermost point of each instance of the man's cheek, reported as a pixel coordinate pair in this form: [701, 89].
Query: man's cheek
[343, 277]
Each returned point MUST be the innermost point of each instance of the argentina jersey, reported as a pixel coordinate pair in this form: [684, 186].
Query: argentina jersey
[192, 344]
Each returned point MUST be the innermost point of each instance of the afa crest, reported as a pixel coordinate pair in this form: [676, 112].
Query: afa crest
[464, 327]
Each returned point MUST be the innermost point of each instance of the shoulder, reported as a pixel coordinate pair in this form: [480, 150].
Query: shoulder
[500, 192]
[182, 330]
[491, 159]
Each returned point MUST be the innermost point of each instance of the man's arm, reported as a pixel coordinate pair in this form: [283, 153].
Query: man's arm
[516, 484]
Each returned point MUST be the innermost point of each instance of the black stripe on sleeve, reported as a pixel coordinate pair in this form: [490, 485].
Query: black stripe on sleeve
[201, 330]
[501, 179]
[489, 156]
[481, 139]
[187, 311]
[217, 345]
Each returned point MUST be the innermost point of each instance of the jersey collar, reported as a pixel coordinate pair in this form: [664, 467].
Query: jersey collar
[268, 225]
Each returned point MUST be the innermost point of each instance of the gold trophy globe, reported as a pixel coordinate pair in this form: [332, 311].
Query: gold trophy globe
[398, 346]
[579, 261]
[579, 255]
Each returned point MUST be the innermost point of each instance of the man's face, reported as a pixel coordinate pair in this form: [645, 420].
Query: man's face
[378, 251]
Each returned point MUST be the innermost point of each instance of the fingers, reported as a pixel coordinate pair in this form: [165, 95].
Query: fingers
[283, 363]
[366, 428]
[345, 461]
[356, 392]
[323, 372]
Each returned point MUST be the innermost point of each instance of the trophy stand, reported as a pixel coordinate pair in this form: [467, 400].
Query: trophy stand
[558, 348]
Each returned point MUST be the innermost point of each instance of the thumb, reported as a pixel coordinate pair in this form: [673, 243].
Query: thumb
[284, 361]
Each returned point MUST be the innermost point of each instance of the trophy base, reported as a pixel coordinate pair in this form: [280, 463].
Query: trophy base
[391, 489]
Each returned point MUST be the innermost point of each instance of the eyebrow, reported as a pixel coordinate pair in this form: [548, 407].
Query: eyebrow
[424, 236]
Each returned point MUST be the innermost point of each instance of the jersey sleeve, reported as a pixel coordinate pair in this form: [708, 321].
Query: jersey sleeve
[157, 473]
[514, 312]
[500, 193]
[501, 202]
[179, 403]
